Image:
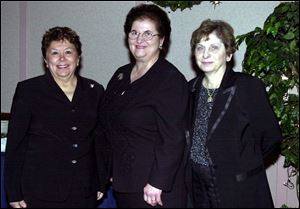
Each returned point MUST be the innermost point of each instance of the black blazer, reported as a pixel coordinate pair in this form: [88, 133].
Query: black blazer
[145, 125]
[242, 131]
[51, 140]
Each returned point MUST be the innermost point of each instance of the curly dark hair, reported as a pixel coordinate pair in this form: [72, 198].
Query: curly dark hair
[223, 31]
[155, 14]
[60, 33]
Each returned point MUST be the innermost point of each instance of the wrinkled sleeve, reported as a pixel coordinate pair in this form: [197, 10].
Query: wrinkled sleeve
[170, 106]
[102, 148]
[265, 119]
[16, 145]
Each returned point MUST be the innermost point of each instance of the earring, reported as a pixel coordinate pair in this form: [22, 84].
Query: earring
[160, 47]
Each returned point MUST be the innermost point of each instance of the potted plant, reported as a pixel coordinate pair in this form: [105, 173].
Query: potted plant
[272, 54]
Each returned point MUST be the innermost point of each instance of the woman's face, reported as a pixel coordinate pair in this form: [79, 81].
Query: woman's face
[210, 54]
[141, 49]
[62, 59]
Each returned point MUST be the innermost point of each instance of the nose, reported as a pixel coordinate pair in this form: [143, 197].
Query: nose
[205, 53]
[140, 38]
[62, 57]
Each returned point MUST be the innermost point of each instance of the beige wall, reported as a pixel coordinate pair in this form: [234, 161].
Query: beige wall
[100, 26]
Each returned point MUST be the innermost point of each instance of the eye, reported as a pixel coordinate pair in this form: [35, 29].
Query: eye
[69, 52]
[54, 53]
[147, 33]
[200, 48]
[214, 48]
[133, 33]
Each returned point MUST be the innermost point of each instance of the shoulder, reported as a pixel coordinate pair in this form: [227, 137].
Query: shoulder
[122, 71]
[92, 86]
[87, 82]
[250, 89]
[248, 81]
[29, 84]
[168, 70]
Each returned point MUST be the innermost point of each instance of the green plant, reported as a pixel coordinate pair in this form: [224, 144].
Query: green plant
[174, 5]
[272, 54]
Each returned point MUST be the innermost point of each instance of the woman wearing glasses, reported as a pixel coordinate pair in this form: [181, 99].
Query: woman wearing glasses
[144, 107]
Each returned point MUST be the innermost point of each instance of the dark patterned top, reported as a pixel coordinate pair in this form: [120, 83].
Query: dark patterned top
[199, 153]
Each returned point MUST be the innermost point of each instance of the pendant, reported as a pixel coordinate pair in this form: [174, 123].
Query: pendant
[209, 99]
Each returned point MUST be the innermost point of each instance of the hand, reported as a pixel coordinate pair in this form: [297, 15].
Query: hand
[99, 195]
[19, 204]
[152, 195]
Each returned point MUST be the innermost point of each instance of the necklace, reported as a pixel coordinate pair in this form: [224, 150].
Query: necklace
[210, 95]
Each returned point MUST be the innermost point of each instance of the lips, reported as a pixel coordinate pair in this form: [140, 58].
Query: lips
[62, 66]
[206, 63]
[140, 47]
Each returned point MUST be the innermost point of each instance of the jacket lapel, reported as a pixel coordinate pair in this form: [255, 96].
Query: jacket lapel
[223, 101]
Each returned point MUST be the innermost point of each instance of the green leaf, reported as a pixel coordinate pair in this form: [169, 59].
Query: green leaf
[289, 36]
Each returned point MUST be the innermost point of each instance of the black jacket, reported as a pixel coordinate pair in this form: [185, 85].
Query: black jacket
[145, 125]
[242, 131]
[51, 140]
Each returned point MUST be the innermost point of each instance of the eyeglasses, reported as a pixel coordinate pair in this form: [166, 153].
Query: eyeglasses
[147, 35]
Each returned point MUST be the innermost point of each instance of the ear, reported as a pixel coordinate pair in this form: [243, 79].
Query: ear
[228, 57]
[46, 63]
[78, 61]
[161, 41]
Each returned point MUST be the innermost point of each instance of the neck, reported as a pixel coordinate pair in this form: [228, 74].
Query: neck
[67, 83]
[141, 68]
[213, 80]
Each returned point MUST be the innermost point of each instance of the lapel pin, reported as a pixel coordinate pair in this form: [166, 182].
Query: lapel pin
[120, 76]
[92, 85]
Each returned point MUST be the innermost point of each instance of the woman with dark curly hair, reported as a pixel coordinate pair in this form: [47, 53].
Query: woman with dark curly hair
[144, 107]
[51, 151]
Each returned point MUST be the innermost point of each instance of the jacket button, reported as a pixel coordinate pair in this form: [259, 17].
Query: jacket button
[74, 128]
[74, 161]
[75, 145]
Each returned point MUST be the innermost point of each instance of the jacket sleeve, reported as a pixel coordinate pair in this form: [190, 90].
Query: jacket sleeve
[102, 150]
[170, 106]
[16, 145]
[264, 118]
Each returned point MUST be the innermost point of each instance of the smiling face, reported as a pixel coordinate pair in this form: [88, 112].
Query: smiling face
[145, 50]
[62, 59]
[210, 54]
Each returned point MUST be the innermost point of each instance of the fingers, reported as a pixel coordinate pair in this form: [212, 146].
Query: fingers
[99, 195]
[23, 204]
[158, 200]
[153, 200]
[152, 195]
[20, 204]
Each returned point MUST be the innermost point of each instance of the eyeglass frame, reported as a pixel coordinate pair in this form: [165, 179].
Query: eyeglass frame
[143, 34]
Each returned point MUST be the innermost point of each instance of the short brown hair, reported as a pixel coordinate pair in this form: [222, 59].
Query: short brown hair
[58, 34]
[223, 31]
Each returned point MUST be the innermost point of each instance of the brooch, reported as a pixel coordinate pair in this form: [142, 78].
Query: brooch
[120, 76]
[92, 85]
